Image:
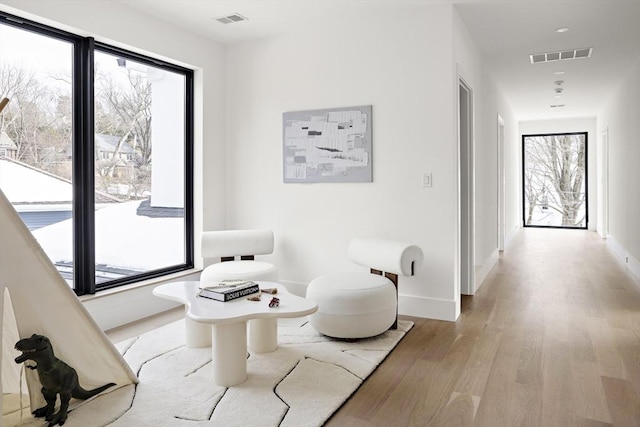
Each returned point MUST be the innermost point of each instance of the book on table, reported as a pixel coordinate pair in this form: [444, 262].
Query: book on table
[228, 290]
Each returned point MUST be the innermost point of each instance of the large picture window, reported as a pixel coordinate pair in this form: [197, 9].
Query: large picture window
[96, 154]
[555, 180]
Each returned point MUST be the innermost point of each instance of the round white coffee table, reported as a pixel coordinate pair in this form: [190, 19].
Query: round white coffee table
[223, 325]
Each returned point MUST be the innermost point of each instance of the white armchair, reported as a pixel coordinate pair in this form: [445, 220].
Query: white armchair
[363, 304]
[237, 250]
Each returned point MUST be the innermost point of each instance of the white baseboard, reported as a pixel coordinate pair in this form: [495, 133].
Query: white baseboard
[408, 305]
[428, 308]
[628, 262]
[510, 235]
[482, 271]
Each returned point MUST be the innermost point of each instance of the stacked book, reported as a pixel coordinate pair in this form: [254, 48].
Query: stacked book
[228, 290]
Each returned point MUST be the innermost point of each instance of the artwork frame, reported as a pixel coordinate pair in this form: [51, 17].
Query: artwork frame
[327, 145]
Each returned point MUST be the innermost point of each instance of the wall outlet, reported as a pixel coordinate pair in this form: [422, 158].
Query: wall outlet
[427, 180]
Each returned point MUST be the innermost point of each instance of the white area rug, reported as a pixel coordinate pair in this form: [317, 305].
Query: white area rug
[302, 383]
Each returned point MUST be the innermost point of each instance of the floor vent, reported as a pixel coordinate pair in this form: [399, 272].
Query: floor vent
[536, 58]
[230, 19]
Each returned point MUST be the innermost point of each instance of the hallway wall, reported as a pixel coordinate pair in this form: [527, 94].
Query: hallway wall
[620, 118]
[488, 104]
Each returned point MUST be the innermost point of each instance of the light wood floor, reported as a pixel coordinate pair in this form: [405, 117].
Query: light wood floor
[552, 338]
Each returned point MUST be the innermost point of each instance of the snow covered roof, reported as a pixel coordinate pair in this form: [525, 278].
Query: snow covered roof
[128, 237]
[25, 184]
[124, 239]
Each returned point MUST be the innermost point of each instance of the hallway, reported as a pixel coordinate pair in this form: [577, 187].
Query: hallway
[552, 338]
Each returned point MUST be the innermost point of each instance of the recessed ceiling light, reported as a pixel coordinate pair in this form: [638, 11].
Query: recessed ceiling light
[558, 73]
[562, 30]
[558, 96]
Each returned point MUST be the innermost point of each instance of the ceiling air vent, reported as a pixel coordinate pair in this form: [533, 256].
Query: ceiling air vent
[536, 58]
[230, 19]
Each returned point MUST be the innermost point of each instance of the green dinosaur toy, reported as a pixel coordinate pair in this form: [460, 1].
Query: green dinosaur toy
[55, 376]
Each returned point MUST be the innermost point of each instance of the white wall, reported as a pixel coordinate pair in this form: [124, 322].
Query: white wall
[488, 104]
[406, 73]
[117, 24]
[620, 117]
[586, 124]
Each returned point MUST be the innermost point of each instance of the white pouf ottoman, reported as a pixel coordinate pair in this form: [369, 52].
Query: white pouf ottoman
[352, 305]
[361, 305]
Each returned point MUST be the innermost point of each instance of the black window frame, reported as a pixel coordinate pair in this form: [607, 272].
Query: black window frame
[586, 181]
[84, 281]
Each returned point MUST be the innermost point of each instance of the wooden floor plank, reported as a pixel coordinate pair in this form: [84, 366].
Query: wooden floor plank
[627, 344]
[591, 401]
[609, 361]
[459, 411]
[498, 398]
[624, 403]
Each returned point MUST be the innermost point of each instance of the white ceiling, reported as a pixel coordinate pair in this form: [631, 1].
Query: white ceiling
[505, 31]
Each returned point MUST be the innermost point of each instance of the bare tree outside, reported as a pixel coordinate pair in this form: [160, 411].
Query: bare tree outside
[39, 122]
[123, 109]
[38, 119]
[555, 180]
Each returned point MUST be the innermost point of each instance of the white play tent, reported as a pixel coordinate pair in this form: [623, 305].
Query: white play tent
[34, 298]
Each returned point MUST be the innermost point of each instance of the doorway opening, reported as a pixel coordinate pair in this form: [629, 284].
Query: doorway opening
[466, 188]
[554, 177]
[604, 184]
[501, 185]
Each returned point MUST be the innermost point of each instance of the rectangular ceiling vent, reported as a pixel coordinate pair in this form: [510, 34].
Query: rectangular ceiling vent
[537, 58]
[230, 19]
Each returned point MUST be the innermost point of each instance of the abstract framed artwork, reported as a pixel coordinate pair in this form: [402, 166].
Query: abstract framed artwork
[329, 145]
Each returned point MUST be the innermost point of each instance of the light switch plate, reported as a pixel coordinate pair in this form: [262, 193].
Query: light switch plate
[427, 180]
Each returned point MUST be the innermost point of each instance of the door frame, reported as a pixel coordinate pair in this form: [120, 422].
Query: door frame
[501, 185]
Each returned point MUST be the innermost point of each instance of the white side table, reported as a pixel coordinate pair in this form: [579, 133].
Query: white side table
[224, 324]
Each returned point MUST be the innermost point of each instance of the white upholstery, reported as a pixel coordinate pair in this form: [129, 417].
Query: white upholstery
[352, 305]
[239, 270]
[236, 243]
[385, 255]
[360, 305]
[232, 243]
